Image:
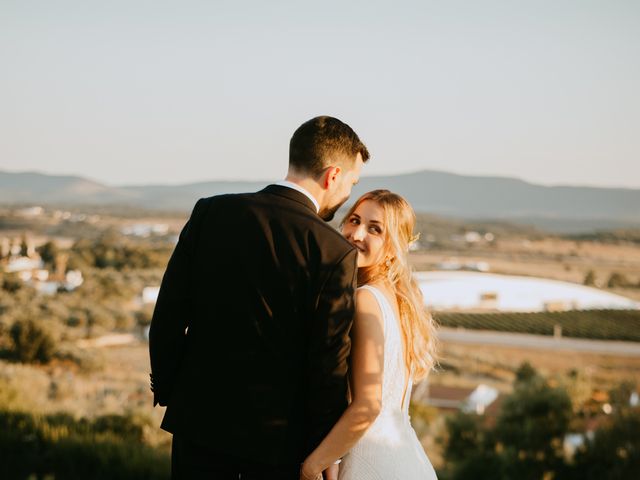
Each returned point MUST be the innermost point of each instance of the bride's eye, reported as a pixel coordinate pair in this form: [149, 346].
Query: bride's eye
[354, 221]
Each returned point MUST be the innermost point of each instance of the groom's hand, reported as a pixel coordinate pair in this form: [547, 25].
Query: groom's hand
[331, 473]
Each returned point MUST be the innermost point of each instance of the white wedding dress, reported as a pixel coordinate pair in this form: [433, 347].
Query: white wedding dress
[390, 449]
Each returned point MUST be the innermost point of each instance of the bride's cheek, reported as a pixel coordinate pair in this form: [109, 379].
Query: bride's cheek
[379, 250]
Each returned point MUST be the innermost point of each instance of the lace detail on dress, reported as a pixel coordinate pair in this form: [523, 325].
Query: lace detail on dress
[390, 448]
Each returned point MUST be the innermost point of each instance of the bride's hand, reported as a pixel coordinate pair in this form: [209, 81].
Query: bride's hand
[308, 472]
[331, 473]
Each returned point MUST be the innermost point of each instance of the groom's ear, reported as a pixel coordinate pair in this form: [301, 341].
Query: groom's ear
[330, 176]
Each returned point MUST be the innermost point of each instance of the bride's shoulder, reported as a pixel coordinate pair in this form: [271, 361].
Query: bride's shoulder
[380, 293]
[367, 301]
[369, 317]
[364, 292]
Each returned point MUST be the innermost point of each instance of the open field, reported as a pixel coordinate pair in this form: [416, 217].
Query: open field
[549, 257]
[462, 364]
[119, 383]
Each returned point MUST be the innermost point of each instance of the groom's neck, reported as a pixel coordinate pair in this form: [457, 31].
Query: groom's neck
[309, 184]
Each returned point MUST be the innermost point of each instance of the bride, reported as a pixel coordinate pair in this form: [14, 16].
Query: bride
[393, 345]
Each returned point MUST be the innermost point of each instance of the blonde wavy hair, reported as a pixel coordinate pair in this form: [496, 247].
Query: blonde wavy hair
[417, 325]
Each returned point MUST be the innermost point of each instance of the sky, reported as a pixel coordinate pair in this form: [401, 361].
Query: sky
[156, 92]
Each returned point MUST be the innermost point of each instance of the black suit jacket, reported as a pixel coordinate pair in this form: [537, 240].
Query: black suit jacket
[250, 335]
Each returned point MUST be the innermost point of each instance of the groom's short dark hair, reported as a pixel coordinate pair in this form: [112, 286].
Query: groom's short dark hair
[323, 141]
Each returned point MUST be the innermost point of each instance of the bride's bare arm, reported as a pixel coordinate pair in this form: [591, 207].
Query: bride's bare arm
[367, 363]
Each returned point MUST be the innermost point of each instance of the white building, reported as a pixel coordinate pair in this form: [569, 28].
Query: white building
[20, 264]
[480, 399]
[146, 229]
[73, 279]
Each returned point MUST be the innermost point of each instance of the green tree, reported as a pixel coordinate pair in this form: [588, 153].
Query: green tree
[525, 373]
[614, 451]
[110, 251]
[11, 283]
[32, 342]
[531, 429]
[526, 442]
[469, 449]
[465, 435]
[24, 246]
[48, 252]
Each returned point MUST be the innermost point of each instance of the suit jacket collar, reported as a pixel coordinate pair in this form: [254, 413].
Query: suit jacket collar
[291, 194]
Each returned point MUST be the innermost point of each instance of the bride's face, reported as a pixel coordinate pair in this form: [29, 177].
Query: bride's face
[365, 230]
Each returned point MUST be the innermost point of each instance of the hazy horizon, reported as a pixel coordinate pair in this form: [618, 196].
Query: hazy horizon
[275, 179]
[132, 93]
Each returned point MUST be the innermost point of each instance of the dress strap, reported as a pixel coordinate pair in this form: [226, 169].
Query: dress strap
[380, 298]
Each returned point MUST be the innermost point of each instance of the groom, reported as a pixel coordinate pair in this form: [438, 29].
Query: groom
[250, 335]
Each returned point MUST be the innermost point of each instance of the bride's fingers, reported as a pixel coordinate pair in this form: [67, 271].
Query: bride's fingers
[306, 476]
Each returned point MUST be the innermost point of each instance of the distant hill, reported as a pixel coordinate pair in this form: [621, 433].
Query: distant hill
[563, 209]
[33, 187]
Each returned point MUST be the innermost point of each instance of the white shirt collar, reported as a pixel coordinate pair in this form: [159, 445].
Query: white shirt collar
[295, 186]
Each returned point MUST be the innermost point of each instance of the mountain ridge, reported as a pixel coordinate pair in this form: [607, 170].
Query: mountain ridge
[429, 191]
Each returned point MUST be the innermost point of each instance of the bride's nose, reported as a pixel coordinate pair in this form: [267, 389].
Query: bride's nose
[359, 233]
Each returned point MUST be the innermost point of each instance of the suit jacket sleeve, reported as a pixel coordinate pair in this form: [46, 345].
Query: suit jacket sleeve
[171, 314]
[329, 350]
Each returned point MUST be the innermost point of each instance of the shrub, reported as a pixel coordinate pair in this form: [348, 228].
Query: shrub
[59, 446]
[590, 278]
[11, 283]
[31, 342]
[618, 280]
[48, 253]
